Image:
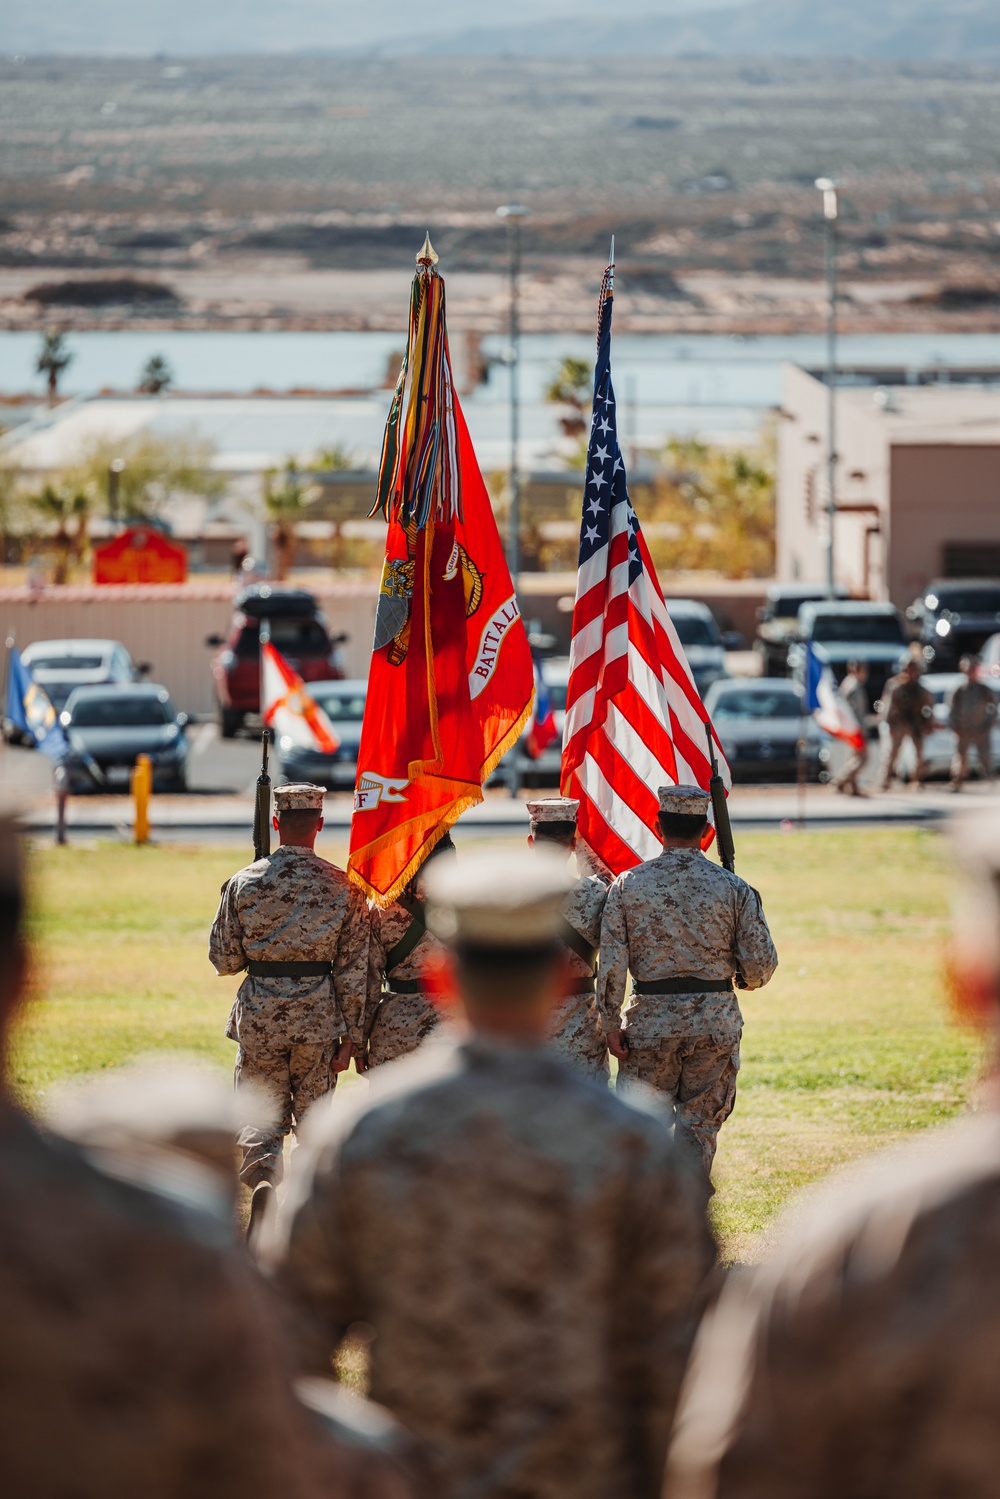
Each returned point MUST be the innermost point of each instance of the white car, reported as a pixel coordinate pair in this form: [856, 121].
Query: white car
[940, 742]
[703, 641]
[990, 657]
[60, 666]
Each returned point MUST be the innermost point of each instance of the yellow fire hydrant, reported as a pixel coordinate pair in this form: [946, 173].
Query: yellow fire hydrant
[142, 786]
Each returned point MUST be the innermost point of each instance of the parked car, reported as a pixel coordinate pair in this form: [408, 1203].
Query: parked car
[853, 630]
[778, 621]
[940, 742]
[60, 666]
[759, 721]
[343, 702]
[108, 726]
[990, 656]
[955, 617]
[703, 642]
[298, 630]
[546, 769]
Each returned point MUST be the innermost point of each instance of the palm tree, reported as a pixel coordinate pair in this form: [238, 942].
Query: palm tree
[63, 506]
[285, 499]
[53, 358]
[155, 375]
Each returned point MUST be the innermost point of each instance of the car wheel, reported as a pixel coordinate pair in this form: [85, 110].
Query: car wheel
[230, 719]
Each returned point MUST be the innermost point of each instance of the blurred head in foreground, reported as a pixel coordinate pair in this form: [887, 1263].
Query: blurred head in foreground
[13, 952]
[975, 946]
[499, 915]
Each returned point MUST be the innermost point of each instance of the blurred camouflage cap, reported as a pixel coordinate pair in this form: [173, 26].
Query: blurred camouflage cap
[298, 796]
[690, 801]
[504, 899]
[554, 809]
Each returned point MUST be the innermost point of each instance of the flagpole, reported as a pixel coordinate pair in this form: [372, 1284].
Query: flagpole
[800, 749]
[8, 647]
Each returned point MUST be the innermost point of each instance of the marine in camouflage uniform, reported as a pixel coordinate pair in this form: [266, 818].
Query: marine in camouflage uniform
[577, 1032]
[908, 711]
[684, 927]
[400, 1013]
[300, 929]
[859, 1360]
[972, 714]
[528, 1248]
[140, 1354]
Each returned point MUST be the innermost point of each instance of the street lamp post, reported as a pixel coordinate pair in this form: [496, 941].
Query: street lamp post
[828, 188]
[115, 470]
[514, 214]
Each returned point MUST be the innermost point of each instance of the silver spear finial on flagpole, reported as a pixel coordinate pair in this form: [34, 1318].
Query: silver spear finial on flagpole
[611, 265]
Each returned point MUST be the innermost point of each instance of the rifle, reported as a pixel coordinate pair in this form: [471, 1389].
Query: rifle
[262, 804]
[717, 791]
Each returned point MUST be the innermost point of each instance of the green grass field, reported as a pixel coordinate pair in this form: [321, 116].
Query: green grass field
[849, 1047]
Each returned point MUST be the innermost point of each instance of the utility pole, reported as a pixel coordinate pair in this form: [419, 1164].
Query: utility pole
[828, 188]
[514, 214]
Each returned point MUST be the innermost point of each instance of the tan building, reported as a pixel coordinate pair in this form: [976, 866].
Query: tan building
[917, 486]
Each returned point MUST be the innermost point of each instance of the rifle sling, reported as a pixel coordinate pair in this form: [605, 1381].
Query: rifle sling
[580, 945]
[401, 950]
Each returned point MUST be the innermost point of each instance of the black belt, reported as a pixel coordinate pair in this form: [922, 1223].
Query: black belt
[579, 986]
[405, 986]
[288, 970]
[682, 985]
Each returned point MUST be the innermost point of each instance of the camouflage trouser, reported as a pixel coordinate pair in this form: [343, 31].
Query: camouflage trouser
[687, 1047]
[898, 735]
[698, 1074]
[967, 739]
[294, 1077]
[402, 1021]
[578, 1036]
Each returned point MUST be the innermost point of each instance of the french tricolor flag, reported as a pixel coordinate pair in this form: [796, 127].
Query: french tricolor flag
[831, 711]
[541, 729]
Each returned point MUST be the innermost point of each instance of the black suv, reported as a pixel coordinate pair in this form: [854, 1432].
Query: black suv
[954, 617]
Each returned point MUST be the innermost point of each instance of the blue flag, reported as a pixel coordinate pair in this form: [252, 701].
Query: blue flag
[29, 709]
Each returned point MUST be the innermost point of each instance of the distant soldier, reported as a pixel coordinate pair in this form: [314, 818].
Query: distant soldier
[860, 1358]
[684, 928]
[402, 955]
[972, 714]
[140, 1355]
[528, 1248]
[908, 711]
[300, 930]
[852, 689]
[577, 1032]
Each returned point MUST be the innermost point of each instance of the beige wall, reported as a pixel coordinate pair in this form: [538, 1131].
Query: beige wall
[940, 493]
[168, 627]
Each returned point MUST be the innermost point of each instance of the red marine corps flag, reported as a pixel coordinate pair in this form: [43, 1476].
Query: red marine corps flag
[451, 680]
[634, 720]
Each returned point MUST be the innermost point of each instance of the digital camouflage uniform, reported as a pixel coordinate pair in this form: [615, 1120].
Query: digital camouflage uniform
[859, 1360]
[529, 1251]
[290, 907]
[577, 1032]
[972, 714]
[907, 708]
[855, 695]
[397, 1022]
[139, 1357]
[674, 916]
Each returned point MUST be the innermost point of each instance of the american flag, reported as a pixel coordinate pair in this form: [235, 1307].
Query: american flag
[634, 720]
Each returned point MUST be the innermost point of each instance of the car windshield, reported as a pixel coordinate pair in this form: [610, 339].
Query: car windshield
[694, 631]
[778, 702]
[970, 600]
[292, 637]
[342, 707]
[66, 663]
[788, 608]
[861, 629]
[121, 712]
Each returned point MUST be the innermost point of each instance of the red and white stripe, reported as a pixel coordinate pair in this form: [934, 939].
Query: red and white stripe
[634, 719]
